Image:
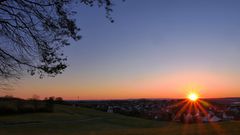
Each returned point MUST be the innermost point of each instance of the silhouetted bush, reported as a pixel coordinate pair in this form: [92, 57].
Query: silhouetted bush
[6, 108]
[12, 105]
[49, 103]
[59, 100]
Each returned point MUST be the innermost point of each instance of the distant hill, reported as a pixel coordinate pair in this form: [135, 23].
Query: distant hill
[225, 101]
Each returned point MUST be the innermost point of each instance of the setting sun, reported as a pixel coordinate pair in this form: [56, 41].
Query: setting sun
[193, 96]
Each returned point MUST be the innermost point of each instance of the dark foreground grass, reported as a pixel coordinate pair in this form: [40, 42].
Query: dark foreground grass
[80, 121]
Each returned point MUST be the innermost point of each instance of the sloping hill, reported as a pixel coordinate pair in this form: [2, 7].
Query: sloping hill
[81, 121]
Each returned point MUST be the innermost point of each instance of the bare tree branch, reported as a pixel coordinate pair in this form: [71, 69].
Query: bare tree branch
[32, 33]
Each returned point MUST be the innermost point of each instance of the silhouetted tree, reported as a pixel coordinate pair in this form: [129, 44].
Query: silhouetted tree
[33, 32]
[35, 97]
[59, 100]
[35, 101]
[49, 104]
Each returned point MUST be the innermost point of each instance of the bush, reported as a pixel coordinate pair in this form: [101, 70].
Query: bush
[18, 106]
[6, 108]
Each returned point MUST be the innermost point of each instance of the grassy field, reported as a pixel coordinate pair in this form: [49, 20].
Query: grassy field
[82, 121]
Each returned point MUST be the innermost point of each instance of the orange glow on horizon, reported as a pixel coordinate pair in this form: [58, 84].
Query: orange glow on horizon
[172, 84]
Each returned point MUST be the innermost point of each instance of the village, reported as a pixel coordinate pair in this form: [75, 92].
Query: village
[177, 110]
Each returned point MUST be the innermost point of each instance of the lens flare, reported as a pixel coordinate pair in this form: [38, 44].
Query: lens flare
[193, 97]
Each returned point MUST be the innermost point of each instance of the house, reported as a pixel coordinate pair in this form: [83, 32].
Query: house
[226, 117]
[211, 118]
[214, 119]
[188, 117]
[110, 109]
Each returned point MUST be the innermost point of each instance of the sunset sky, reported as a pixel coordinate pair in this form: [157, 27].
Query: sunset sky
[154, 49]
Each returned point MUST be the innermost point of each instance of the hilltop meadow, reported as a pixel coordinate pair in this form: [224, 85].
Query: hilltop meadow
[68, 120]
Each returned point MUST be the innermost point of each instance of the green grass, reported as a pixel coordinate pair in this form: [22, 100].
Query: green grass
[81, 121]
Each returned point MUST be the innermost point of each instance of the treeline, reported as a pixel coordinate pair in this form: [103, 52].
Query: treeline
[13, 105]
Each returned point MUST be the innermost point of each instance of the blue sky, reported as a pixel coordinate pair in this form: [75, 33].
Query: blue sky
[193, 33]
[149, 39]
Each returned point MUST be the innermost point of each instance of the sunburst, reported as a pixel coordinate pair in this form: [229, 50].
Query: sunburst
[193, 97]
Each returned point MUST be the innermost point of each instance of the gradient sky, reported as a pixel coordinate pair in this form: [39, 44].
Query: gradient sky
[155, 49]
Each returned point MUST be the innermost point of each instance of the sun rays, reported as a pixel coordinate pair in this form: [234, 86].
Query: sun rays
[194, 110]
